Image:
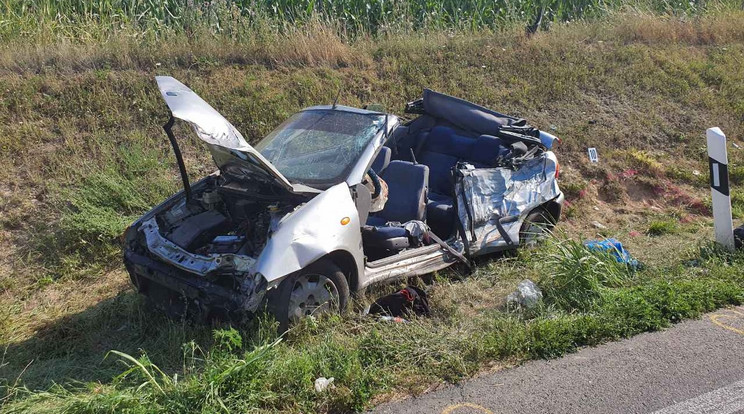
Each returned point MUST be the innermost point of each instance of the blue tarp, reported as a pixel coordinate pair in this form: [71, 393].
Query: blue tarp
[615, 248]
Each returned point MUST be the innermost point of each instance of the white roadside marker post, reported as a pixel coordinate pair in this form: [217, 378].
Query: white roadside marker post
[719, 187]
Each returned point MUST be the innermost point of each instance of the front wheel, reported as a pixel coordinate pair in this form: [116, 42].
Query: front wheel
[536, 228]
[317, 289]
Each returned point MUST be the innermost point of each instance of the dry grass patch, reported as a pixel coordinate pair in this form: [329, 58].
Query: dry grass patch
[724, 26]
[313, 44]
[82, 122]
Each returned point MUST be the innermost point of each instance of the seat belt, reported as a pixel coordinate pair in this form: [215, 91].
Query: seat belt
[418, 229]
[500, 221]
[451, 250]
[457, 173]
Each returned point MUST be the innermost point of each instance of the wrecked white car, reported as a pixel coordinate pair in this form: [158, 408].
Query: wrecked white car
[336, 199]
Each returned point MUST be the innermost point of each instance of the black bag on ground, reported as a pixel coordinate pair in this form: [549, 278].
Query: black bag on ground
[408, 300]
[739, 237]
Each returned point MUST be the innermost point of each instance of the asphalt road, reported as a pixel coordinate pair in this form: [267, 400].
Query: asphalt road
[694, 367]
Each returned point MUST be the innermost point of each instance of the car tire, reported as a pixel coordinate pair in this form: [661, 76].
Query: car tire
[535, 228]
[318, 288]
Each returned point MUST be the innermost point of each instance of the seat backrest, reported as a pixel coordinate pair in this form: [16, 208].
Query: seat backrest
[440, 151]
[442, 147]
[408, 185]
[382, 160]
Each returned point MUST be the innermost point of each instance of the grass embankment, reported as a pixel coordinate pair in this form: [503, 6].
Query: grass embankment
[590, 299]
[83, 155]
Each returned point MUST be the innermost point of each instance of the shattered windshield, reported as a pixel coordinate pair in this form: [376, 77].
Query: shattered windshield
[320, 146]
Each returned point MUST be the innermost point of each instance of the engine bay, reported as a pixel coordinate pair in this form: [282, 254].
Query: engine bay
[223, 218]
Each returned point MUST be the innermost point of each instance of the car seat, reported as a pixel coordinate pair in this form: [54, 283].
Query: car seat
[440, 149]
[408, 185]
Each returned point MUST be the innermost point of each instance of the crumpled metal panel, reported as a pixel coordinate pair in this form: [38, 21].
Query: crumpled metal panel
[209, 125]
[311, 232]
[198, 264]
[488, 193]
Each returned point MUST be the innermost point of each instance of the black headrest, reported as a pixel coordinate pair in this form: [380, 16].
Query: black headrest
[518, 148]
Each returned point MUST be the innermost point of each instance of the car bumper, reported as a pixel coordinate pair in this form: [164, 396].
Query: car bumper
[167, 285]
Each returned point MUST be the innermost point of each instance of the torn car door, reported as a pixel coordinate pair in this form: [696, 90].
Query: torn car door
[490, 201]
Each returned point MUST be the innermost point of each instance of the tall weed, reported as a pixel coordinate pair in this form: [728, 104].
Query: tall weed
[575, 277]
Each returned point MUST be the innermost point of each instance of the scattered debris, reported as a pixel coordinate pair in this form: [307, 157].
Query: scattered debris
[527, 295]
[739, 237]
[593, 156]
[635, 233]
[322, 383]
[735, 145]
[616, 249]
[396, 319]
[405, 301]
[598, 225]
[695, 172]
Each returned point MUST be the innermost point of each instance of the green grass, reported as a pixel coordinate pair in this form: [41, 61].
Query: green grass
[737, 203]
[662, 226]
[80, 18]
[575, 276]
[253, 370]
[84, 153]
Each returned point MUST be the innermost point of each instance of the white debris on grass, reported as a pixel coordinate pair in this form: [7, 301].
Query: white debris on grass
[527, 295]
[322, 383]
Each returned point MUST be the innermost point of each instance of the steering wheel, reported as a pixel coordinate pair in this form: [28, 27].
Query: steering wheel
[375, 182]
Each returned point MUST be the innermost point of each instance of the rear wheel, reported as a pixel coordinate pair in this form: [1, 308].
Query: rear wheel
[319, 288]
[536, 228]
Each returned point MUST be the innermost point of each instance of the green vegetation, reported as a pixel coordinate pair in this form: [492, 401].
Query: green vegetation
[252, 369]
[83, 154]
[645, 162]
[576, 276]
[662, 226]
[237, 18]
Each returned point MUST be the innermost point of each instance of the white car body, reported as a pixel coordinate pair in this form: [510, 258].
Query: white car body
[321, 222]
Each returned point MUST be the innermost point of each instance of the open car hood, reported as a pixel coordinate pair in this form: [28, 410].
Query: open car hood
[233, 156]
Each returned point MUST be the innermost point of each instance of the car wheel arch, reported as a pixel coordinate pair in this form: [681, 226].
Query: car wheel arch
[345, 261]
[278, 301]
[553, 208]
